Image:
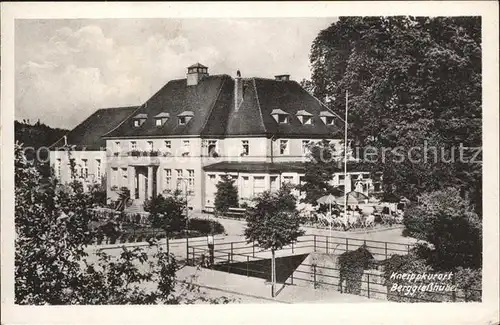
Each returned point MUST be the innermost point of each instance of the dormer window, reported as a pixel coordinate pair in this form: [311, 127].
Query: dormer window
[139, 119]
[304, 117]
[185, 117]
[327, 117]
[280, 116]
[161, 119]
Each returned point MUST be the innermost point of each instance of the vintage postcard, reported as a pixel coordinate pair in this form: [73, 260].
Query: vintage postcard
[339, 157]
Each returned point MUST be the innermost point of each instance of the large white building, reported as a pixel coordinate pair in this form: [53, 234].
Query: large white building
[196, 129]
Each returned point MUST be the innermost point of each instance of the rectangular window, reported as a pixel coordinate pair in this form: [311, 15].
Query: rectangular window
[84, 173]
[190, 180]
[136, 123]
[168, 146]
[168, 179]
[158, 122]
[180, 174]
[212, 147]
[117, 146]
[150, 146]
[259, 185]
[133, 145]
[182, 120]
[329, 120]
[211, 186]
[98, 169]
[114, 177]
[287, 179]
[245, 147]
[284, 148]
[187, 147]
[274, 183]
[307, 120]
[246, 190]
[124, 177]
[305, 147]
[282, 118]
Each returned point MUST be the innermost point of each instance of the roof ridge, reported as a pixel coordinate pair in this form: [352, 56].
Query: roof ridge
[212, 106]
[258, 105]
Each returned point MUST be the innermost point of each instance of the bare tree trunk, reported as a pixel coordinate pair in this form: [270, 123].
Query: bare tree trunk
[273, 273]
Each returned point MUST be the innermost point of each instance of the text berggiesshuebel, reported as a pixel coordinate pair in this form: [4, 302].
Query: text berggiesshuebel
[422, 282]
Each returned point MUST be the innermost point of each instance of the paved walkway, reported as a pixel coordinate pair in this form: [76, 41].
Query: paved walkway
[258, 290]
[236, 228]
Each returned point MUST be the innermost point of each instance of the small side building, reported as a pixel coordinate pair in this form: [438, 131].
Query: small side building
[85, 146]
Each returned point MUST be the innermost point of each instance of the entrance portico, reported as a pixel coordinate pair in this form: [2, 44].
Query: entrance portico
[142, 182]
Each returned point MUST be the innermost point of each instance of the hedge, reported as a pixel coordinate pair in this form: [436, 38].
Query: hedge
[205, 226]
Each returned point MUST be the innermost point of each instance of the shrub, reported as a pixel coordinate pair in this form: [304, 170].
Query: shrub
[226, 195]
[412, 263]
[99, 238]
[469, 283]
[352, 264]
[147, 205]
[168, 213]
[447, 222]
[98, 194]
[205, 226]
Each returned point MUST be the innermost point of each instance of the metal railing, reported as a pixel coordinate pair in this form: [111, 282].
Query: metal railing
[317, 243]
[370, 285]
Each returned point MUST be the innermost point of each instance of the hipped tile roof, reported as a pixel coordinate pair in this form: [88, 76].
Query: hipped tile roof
[211, 103]
[88, 134]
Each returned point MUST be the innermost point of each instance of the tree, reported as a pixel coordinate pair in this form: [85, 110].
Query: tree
[307, 85]
[410, 80]
[273, 223]
[168, 213]
[322, 163]
[446, 221]
[227, 194]
[51, 263]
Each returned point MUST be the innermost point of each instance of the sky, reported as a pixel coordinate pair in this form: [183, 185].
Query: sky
[66, 69]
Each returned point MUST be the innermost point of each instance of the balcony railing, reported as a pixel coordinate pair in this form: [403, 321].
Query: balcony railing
[148, 153]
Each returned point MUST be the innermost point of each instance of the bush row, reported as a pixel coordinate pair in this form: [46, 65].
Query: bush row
[197, 227]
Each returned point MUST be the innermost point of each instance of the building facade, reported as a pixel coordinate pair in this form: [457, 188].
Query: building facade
[196, 129]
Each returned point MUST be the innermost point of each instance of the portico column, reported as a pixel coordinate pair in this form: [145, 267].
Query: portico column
[159, 181]
[150, 182]
[131, 181]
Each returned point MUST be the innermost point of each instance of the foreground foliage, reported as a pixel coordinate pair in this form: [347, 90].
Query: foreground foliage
[52, 265]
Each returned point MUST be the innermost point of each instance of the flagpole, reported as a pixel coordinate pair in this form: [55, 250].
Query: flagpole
[345, 157]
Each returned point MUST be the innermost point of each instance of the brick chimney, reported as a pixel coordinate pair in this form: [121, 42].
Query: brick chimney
[238, 90]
